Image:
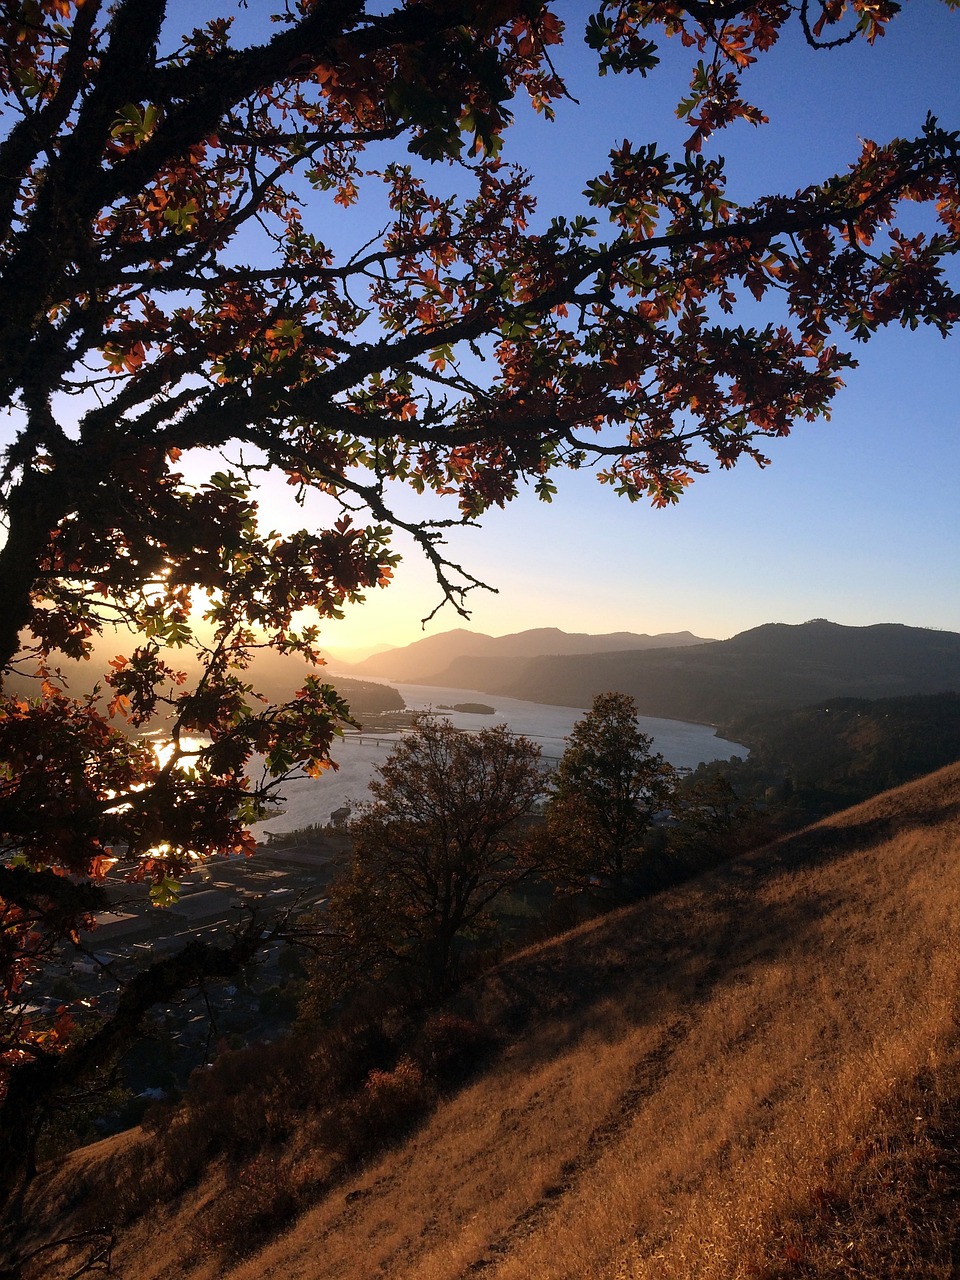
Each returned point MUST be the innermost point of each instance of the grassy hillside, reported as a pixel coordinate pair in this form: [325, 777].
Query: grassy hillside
[754, 1075]
[768, 667]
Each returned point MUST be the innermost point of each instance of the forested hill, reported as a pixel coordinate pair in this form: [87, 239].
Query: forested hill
[775, 665]
[420, 662]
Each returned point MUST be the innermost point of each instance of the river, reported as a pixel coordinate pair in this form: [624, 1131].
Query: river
[312, 800]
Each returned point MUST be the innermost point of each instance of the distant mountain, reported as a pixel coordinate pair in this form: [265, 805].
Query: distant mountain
[767, 667]
[425, 661]
[277, 676]
[342, 657]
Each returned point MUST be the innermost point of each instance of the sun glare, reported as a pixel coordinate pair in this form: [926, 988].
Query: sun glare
[185, 748]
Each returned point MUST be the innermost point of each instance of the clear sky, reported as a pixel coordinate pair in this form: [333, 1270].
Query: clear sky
[856, 519]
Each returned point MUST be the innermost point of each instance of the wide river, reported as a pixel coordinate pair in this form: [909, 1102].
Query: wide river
[312, 800]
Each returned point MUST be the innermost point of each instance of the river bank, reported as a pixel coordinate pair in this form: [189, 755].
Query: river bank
[307, 801]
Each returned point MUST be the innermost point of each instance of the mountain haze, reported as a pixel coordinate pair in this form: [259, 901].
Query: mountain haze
[277, 676]
[420, 662]
[771, 666]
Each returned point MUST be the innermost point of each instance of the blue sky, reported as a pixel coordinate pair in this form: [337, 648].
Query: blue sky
[856, 519]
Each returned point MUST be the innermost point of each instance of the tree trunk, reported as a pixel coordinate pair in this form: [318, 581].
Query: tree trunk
[37, 504]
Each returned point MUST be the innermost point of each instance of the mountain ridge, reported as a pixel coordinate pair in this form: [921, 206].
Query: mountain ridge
[414, 663]
[772, 665]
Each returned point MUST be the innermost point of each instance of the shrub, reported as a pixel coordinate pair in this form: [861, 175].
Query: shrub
[450, 1046]
[254, 1207]
[386, 1106]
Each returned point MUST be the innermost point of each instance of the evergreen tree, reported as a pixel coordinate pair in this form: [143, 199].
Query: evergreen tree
[607, 790]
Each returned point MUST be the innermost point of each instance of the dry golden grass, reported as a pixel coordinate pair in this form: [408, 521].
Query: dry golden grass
[753, 1076]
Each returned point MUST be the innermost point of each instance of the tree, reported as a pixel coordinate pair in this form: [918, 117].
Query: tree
[605, 794]
[174, 324]
[443, 839]
[713, 823]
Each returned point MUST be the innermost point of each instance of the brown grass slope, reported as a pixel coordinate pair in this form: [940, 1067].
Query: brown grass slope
[751, 1076]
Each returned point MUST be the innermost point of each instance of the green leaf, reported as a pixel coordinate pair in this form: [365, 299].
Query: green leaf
[166, 892]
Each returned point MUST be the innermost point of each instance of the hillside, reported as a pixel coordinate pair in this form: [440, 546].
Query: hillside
[426, 661]
[807, 762]
[772, 666]
[755, 1074]
[275, 675]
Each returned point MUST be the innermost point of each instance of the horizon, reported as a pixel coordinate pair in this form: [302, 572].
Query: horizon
[338, 652]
